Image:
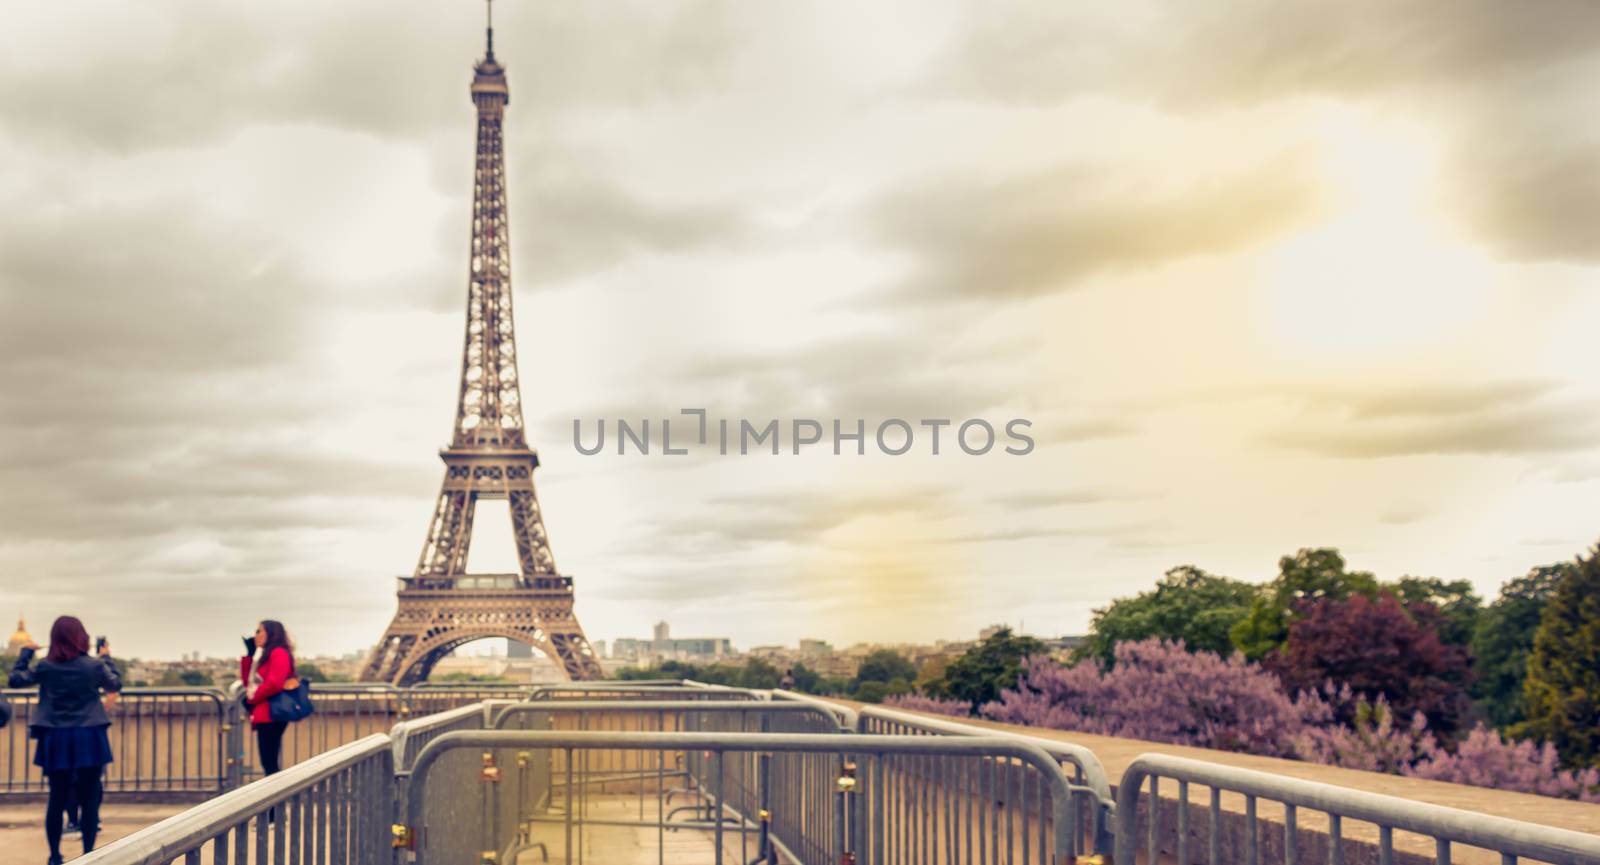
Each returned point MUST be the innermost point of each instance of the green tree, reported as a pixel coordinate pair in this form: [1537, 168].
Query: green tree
[885, 665]
[1308, 575]
[1562, 691]
[983, 671]
[472, 678]
[310, 672]
[1503, 639]
[809, 681]
[171, 678]
[874, 691]
[1188, 604]
[758, 674]
[1458, 605]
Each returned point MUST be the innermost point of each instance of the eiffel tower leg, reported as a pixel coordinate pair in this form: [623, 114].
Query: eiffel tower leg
[527, 526]
[449, 534]
[384, 663]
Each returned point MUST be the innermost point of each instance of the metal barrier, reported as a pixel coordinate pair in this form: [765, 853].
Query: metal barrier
[192, 743]
[857, 819]
[1510, 839]
[164, 741]
[409, 737]
[1090, 783]
[334, 808]
[633, 691]
[744, 787]
[778, 780]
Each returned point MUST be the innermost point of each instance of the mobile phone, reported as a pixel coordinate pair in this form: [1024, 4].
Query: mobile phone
[99, 644]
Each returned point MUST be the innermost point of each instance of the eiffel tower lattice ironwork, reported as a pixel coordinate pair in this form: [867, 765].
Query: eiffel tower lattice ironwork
[441, 606]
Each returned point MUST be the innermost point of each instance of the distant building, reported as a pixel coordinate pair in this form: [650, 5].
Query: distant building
[662, 646]
[814, 648]
[18, 639]
[518, 651]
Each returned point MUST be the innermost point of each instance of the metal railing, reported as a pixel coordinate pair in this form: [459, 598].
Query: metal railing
[1093, 804]
[333, 809]
[855, 818]
[163, 741]
[192, 743]
[1298, 839]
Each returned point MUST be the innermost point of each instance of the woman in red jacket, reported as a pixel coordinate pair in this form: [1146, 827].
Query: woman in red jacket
[261, 681]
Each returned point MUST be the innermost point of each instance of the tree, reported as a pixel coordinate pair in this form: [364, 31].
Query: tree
[1503, 639]
[885, 665]
[1308, 575]
[758, 674]
[983, 671]
[1188, 604]
[1160, 692]
[873, 691]
[1458, 605]
[310, 672]
[1378, 648]
[1562, 691]
[809, 681]
[917, 703]
[171, 678]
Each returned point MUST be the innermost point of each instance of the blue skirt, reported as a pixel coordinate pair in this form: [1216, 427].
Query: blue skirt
[65, 748]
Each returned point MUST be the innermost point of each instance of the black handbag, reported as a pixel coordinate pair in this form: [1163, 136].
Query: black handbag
[292, 705]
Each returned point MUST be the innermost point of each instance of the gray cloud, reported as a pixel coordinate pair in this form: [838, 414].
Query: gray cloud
[577, 226]
[1200, 54]
[1522, 161]
[1032, 235]
[793, 517]
[1483, 418]
[1041, 499]
[197, 74]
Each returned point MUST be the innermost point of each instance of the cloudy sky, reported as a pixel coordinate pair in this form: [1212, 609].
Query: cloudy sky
[1262, 277]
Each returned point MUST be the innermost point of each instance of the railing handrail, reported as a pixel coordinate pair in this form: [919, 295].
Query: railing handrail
[850, 744]
[145, 691]
[707, 706]
[1475, 829]
[1094, 772]
[162, 842]
[847, 716]
[401, 733]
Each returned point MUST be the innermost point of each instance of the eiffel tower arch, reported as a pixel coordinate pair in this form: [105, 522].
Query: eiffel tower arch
[441, 606]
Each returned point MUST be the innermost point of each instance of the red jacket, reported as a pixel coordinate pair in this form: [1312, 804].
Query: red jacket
[275, 670]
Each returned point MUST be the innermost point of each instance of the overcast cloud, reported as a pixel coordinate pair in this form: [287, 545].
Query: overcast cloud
[1262, 276]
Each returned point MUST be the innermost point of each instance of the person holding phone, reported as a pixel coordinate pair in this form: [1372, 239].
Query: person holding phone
[70, 724]
[262, 680]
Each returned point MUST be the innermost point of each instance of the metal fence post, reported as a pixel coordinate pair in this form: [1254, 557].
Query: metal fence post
[234, 724]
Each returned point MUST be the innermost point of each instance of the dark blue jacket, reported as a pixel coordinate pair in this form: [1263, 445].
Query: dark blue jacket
[69, 692]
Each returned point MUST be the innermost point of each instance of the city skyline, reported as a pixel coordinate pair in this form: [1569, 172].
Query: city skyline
[1350, 310]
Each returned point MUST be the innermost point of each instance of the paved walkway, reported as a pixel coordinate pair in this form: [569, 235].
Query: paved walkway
[22, 829]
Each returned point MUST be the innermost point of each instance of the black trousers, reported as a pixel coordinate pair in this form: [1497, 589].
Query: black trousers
[82, 785]
[269, 745]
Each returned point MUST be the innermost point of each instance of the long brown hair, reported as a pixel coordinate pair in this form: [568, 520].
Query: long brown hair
[277, 635]
[68, 640]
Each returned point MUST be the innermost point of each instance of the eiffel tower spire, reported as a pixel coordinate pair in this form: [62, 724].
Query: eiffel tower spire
[489, 411]
[441, 605]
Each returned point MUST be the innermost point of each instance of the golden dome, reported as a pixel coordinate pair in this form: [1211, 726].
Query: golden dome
[21, 636]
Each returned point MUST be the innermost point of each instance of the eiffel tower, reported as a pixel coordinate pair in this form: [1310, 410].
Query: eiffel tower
[442, 606]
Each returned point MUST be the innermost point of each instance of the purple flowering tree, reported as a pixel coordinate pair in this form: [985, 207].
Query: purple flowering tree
[1159, 692]
[933, 705]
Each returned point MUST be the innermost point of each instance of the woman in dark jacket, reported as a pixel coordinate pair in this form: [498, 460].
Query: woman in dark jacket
[264, 680]
[70, 724]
